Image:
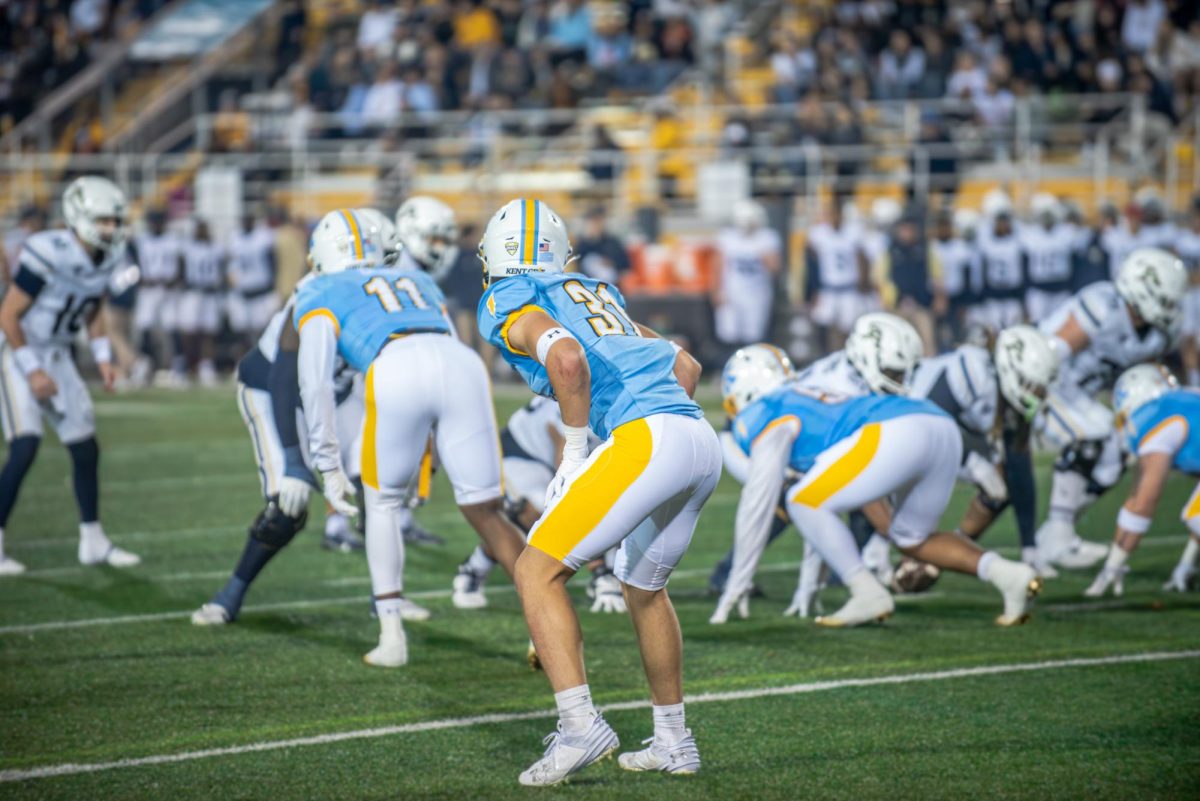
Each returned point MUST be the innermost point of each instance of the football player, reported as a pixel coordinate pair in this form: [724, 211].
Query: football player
[1049, 246]
[62, 276]
[570, 337]
[854, 454]
[1105, 328]
[994, 397]
[390, 324]
[1160, 424]
[532, 446]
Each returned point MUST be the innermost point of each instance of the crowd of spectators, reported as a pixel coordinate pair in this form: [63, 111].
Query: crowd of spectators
[43, 43]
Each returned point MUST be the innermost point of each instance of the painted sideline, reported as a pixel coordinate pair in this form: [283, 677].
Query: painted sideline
[72, 769]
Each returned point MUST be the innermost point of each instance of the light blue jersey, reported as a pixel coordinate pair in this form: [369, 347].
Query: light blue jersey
[1178, 403]
[632, 376]
[821, 424]
[369, 307]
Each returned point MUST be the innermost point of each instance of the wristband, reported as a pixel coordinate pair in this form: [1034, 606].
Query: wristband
[28, 362]
[1132, 522]
[547, 340]
[576, 440]
[101, 350]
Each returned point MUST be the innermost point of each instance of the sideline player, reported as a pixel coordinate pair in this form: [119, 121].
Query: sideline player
[569, 336]
[532, 446]
[1161, 425]
[854, 454]
[1105, 328]
[62, 276]
[751, 253]
[391, 325]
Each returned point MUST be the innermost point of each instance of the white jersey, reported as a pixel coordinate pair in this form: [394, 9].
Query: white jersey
[252, 261]
[203, 266]
[957, 263]
[744, 255]
[1050, 255]
[833, 375]
[837, 251]
[1159, 235]
[158, 257]
[1118, 243]
[1187, 247]
[66, 285]
[1003, 266]
[1113, 343]
[963, 384]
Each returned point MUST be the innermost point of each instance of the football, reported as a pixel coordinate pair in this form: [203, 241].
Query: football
[913, 576]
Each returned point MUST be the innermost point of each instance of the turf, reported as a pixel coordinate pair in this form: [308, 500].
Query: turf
[179, 487]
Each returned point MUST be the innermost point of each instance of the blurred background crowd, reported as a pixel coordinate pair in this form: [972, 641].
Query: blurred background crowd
[887, 153]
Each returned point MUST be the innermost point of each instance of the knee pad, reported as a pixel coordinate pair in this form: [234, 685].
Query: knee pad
[85, 454]
[991, 504]
[22, 450]
[1080, 457]
[275, 529]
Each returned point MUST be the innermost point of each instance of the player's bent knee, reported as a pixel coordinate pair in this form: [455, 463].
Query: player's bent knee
[535, 567]
[275, 529]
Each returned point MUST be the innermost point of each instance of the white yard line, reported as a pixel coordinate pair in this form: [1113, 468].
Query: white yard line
[71, 769]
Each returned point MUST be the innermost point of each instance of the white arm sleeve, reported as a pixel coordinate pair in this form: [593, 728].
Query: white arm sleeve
[315, 363]
[737, 463]
[760, 495]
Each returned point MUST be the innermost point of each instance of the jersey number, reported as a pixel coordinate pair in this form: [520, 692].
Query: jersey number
[70, 319]
[607, 315]
[389, 298]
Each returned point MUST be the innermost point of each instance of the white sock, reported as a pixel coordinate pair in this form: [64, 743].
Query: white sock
[1068, 491]
[479, 562]
[669, 725]
[385, 543]
[863, 582]
[92, 534]
[1117, 557]
[1188, 558]
[984, 570]
[391, 625]
[385, 607]
[575, 710]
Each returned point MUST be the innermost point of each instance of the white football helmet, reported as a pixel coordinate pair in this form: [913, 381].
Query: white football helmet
[752, 372]
[749, 215]
[374, 218]
[884, 212]
[1136, 387]
[1025, 367]
[996, 202]
[524, 236]
[966, 223]
[1153, 282]
[885, 350]
[1045, 205]
[93, 198]
[343, 240]
[426, 228]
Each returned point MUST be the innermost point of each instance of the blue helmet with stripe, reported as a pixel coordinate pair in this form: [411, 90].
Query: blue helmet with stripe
[524, 236]
[343, 240]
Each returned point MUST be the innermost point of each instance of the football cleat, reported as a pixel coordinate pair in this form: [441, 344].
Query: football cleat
[412, 611]
[1058, 544]
[1182, 578]
[10, 566]
[340, 536]
[1031, 556]
[567, 755]
[211, 614]
[1106, 579]
[415, 534]
[726, 606]
[682, 758]
[113, 556]
[869, 602]
[1020, 585]
[467, 589]
[390, 653]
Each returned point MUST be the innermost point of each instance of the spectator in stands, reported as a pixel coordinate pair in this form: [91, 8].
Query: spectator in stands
[570, 29]
[419, 94]
[534, 26]
[901, 67]
[375, 27]
[475, 24]
[794, 66]
[231, 126]
[510, 76]
[601, 254]
[384, 101]
[610, 46]
[602, 153]
[666, 135]
[994, 107]
[938, 64]
[968, 79]
[1139, 27]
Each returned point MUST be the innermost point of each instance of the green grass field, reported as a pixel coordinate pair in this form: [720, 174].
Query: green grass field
[99, 666]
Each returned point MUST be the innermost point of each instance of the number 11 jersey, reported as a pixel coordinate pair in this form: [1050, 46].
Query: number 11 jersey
[65, 284]
[370, 307]
[632, 376]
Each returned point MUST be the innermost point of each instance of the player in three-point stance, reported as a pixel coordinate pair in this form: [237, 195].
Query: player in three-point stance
[569, 336]
[1160, 424]
[391, 324]
[62, 277]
